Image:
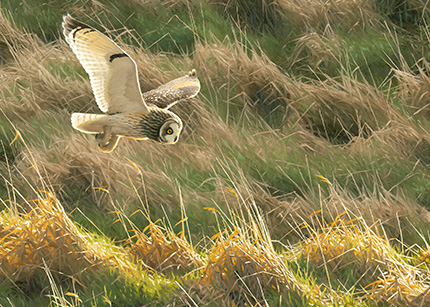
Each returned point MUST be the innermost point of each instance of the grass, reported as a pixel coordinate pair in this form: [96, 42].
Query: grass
[301, 177]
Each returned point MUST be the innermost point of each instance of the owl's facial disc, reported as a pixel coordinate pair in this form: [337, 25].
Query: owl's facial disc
[169, 132]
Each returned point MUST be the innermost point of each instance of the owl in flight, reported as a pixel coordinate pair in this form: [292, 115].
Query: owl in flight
[114, 80]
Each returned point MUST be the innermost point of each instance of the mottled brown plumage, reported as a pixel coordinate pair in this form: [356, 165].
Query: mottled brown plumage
[170, 93]
[113, 77]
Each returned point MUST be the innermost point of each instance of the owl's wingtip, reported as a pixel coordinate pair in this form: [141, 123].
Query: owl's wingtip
[67, 16]
[70, 24]
[67, 24]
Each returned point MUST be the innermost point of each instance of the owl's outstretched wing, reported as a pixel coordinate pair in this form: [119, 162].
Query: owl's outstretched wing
[113, 74]
[170, 93]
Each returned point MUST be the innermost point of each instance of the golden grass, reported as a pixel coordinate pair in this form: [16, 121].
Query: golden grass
[164, 251]
[45, 236]
[350, 244]
[240, 266]
[243, 269]
[336, 228]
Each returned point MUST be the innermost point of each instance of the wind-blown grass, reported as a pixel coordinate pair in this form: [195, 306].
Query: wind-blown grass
[301, 176]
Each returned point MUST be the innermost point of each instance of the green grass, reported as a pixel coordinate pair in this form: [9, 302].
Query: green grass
[236, 150]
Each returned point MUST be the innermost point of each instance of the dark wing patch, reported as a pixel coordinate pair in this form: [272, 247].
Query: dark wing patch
[116, 55]
[171, 92]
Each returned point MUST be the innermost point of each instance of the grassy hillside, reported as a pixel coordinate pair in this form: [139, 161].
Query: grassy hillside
[302, 176]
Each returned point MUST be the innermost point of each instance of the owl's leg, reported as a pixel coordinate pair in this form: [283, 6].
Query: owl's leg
[105, 136]
[110, 144]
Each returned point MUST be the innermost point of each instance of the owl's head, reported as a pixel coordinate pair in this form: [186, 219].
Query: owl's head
[161, 126]
[169, 132]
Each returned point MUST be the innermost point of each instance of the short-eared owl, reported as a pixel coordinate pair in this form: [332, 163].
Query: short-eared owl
[113, 77]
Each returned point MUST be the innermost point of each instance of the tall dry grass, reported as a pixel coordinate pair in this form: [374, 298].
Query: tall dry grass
[342, 112]
[274, 15]
[254, 139]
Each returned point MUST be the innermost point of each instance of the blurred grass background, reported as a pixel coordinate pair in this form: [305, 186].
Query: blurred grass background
[291, 90]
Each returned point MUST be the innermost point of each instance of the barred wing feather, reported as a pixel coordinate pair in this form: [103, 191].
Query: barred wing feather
[113, 74]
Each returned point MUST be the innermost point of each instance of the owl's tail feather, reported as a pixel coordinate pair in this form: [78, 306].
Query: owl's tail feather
[89, 123]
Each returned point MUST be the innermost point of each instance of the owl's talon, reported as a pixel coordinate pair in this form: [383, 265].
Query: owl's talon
[110, 144]
[102, 137]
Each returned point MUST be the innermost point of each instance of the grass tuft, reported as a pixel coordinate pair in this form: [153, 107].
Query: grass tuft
[301, 177]
[164, 251]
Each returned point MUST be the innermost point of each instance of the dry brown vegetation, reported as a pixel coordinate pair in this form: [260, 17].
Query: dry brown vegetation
[298, 180]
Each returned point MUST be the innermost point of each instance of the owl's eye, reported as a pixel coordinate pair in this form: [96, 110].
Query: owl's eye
[169, 131]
